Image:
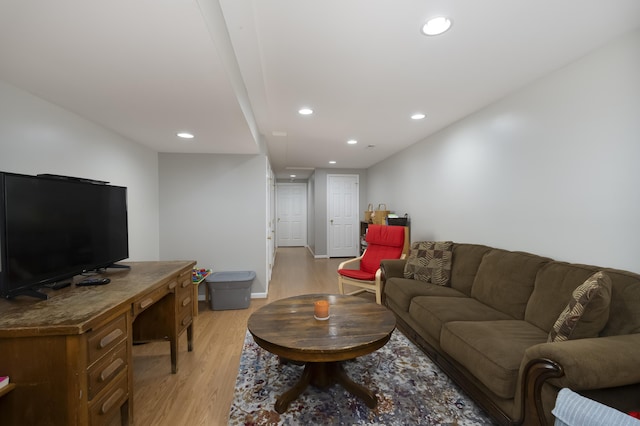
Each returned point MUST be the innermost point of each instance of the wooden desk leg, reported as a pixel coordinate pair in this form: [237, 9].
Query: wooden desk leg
[124, 414]
[190, 336]
[173, 342]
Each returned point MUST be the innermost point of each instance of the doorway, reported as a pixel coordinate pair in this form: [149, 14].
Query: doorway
[342, 214]
[291, 225]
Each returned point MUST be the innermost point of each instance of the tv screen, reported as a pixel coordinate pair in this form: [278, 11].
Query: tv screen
[53, 228]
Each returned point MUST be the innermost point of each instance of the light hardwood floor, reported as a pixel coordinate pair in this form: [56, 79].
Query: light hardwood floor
[202, 391]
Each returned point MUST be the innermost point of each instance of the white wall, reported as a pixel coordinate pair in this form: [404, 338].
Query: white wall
[39, 137]
[552, 169]
[213, 209]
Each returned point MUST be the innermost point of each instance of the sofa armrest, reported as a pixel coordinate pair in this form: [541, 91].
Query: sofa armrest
[595, 363]
[392, 268]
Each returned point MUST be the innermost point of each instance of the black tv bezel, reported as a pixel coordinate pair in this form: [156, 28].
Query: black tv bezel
[31, 288]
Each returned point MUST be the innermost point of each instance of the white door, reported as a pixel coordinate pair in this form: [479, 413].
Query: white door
[292, 214]
[343, 216]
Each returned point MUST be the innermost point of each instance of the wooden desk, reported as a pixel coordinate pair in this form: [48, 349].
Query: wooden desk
[70, 356]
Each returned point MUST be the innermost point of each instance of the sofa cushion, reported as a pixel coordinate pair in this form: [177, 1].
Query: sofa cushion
[429, 261]
[505, 280]
[432, 312]
[402, 290]
[464, 265]
[587, 311]
[552, 290]
[492, 351]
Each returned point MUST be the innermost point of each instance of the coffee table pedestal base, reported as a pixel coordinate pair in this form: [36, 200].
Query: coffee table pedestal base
[323, 375]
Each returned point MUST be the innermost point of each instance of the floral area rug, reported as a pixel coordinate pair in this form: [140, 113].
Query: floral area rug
[411, 390]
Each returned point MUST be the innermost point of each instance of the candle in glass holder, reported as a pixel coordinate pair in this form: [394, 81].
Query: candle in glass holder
[321, 310]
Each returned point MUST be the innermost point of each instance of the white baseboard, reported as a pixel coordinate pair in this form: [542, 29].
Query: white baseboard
[317, 256]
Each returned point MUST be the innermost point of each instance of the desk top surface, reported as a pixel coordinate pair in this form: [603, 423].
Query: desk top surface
[74, 310]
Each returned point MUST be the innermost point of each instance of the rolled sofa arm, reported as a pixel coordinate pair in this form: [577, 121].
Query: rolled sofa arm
[392, 268]
[596, 363]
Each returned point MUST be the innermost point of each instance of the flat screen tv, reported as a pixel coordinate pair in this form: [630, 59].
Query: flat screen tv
[53, 227]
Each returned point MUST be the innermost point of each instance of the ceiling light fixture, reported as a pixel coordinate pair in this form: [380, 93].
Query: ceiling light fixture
[292, 176]
[305, 111]
[185, 135]
[418, 116]
[436, 26]
[332, 162]
[352, 141]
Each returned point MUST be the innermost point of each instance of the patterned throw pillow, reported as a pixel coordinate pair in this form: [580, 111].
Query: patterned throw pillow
[429, 261]
[588, 307]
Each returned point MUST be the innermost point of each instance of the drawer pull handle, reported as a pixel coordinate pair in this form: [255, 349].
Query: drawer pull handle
[109, 338]
[186, 301]
[113, 399]
[185, 283]
[111, 369]
[186, 321]
[172, 285]
[146, 303]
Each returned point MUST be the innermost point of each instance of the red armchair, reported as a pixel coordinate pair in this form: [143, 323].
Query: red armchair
[383, 242]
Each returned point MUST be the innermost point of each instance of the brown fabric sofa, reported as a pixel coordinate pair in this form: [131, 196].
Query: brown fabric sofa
[488, 330]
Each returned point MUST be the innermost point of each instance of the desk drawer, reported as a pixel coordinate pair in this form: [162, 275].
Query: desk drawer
[107, 406]
[185, 318]
[185, 282]
[106, 369]
[149, 299]
[103, 339]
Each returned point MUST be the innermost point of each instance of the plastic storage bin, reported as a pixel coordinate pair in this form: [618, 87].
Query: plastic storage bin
[230, 290]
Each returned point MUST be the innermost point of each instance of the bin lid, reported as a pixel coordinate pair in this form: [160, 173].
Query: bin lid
[228, 276]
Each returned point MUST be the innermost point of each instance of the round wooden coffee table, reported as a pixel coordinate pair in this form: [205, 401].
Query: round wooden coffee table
[355, 327]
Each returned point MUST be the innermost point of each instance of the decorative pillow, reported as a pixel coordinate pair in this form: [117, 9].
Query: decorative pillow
[587, 312]
[429, 261]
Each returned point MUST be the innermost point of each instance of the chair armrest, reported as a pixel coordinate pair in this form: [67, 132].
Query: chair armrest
[393, 268]
[595, 363]
[350, 263]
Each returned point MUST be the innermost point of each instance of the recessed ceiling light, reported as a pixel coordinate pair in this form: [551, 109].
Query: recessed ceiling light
[352, 141]
[185, 135]
[418, 116]
[436, 26]
[292, 176]
[332, 162]
[305, 111]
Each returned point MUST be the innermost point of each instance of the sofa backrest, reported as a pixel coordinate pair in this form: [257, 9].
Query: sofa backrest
[624, 316]
[465, 261]
[556, 282]
[505, 280]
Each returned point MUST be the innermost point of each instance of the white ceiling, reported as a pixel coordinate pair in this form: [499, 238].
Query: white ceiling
[232, 70]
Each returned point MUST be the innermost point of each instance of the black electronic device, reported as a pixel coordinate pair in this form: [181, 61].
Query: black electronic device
[93, 281]
[53, 228]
